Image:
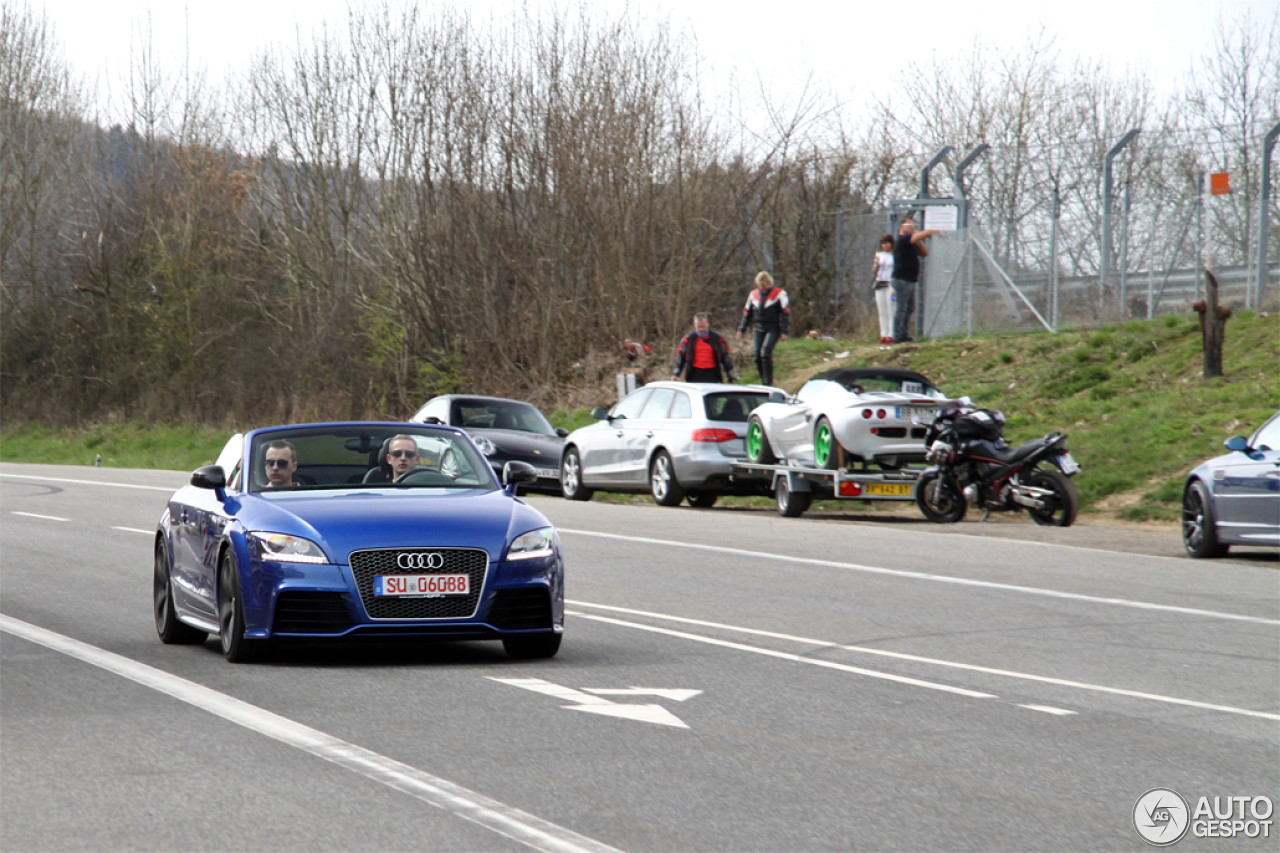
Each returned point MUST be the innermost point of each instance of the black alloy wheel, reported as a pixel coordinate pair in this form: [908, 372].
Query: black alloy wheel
[1062, 508]
[1199, 534]
[235, 646]
[172, 630]
[939, 498]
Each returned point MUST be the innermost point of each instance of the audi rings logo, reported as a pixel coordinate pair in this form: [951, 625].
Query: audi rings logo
[420, 561]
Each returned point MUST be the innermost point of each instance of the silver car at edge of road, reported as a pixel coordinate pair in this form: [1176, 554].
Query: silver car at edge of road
[675, 440]
[1235, 499]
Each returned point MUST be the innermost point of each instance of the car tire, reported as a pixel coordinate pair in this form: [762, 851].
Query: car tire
[939, 499]
[790, 504]
[702, 500]
[1199, 534]
[758, 449]
[663, 485]
[235, 646]
[533, 647]
[571, 477]
[172, 630]
[826, 447]
[1066, 502]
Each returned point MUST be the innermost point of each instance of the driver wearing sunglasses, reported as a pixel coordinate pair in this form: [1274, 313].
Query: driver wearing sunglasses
[281, 462]
[402, 456]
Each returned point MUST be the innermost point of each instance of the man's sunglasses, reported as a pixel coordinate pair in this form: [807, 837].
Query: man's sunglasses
[399, 453]
[278, 463]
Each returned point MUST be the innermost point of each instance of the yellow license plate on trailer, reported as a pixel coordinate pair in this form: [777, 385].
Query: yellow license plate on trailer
[892, 489]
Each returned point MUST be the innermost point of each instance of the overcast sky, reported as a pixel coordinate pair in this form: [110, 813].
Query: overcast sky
[853, 50]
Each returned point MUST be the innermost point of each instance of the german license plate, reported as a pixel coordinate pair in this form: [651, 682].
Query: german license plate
[549, 473]
[403, 586]
[893, 489]
[1068, 463]
[926, 416]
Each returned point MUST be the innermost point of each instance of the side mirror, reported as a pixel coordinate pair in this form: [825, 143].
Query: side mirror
[516, 472]
[600, 413]
[211, 477]
[432, 420]
[1237, 444]
[562, 432]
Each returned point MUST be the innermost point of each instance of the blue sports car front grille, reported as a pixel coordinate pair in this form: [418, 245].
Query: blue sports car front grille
[366, 565]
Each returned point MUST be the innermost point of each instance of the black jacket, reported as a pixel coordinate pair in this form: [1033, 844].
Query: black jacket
[684, 352]
[771, 311]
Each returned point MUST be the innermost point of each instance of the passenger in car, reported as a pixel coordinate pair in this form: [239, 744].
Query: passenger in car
[402, 456]
[281, 463]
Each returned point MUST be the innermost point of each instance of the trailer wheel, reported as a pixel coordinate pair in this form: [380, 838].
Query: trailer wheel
[790, 504]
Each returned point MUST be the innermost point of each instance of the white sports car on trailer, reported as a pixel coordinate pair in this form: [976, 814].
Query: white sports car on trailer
[853, 416]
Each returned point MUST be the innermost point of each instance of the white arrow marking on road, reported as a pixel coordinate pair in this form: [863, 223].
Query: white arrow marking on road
[673, 695]
[598, 705]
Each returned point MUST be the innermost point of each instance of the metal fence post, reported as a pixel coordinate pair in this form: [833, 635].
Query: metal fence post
[1264, 198]
[1107, 201]
[1124, 258]
[1053, 263]
[1200, 246]
[839, 258]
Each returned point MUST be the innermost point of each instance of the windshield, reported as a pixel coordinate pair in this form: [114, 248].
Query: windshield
[408, 456]
[500, 414]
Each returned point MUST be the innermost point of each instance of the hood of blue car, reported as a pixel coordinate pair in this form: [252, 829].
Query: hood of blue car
[387, 518]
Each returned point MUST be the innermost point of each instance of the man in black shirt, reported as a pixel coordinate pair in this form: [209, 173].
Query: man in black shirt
[908, 249]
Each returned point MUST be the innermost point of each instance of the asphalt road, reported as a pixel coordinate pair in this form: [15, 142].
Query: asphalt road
[861, 684]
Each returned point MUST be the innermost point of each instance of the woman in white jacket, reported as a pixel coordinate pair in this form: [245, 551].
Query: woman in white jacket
[882, 269]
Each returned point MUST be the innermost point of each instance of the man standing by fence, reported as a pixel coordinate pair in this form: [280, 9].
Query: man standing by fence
[908, 249]
[704, 352]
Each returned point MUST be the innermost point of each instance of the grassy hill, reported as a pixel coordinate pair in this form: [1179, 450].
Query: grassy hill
[1131, 397]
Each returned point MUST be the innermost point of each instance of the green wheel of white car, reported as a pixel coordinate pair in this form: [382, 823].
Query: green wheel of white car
[758, 449]
[825, 446]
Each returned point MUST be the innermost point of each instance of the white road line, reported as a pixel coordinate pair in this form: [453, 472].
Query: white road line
[901, 573]
[37, 515]
[1061, 712]
[88, 482]
[1079, 685]
[773, 653]
[135, 530]
[509, 822]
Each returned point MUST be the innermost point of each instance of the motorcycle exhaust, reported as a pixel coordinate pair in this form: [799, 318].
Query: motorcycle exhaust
[1030, 497]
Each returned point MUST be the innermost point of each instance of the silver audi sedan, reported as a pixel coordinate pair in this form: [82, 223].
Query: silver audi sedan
[675, 440]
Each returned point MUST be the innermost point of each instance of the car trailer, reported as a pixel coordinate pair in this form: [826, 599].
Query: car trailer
[794, 487]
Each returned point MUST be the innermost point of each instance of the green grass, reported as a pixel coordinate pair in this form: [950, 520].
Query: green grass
[121, 445]
[1131, 397]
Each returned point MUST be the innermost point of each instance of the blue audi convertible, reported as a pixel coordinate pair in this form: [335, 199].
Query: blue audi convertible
[357, 530]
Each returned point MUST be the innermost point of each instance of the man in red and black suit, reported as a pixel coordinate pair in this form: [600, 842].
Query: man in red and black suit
[705, 353]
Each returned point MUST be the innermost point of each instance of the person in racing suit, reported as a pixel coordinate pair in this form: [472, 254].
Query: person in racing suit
[705, 352]
[771, 310]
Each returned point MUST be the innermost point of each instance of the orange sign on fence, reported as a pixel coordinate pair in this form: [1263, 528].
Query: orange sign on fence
[1220, 183]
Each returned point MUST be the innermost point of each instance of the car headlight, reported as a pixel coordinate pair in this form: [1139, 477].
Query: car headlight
[532, 545]
[487, 447]
[287, 549]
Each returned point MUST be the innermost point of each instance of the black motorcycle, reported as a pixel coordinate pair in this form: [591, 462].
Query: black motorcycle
[972, 464]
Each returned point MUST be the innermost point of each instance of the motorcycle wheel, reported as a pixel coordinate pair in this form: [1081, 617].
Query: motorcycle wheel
[1063, 507]
[939, 499]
